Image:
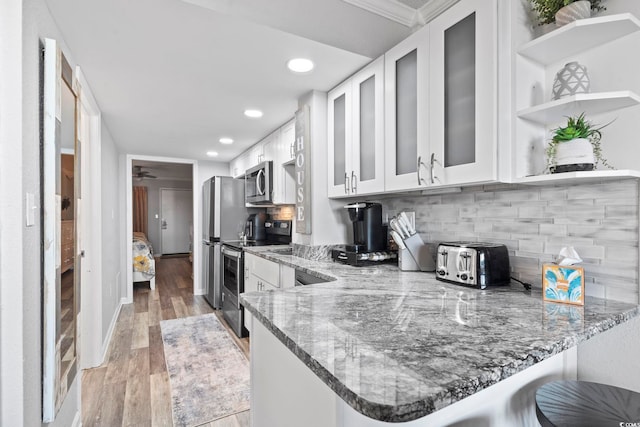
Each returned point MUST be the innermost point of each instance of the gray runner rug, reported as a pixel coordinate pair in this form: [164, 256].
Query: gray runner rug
[208, 374]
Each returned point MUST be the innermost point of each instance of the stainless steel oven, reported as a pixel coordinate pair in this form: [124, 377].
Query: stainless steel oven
[232, 287]
[258, 185]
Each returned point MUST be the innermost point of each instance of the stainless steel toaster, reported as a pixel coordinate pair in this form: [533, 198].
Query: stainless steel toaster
[473, 264]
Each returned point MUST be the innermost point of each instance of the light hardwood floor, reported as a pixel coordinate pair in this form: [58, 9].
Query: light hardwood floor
[132, 387]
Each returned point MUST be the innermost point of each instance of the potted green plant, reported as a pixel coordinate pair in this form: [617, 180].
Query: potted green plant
[575, 147]
[562, 12]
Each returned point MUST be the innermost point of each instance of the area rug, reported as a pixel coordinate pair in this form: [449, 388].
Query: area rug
[208, 374]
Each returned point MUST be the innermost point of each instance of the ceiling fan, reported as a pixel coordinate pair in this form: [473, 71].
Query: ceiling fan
[140, 174]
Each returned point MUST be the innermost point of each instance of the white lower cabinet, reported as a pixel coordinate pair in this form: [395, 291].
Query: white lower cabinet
[261, 274]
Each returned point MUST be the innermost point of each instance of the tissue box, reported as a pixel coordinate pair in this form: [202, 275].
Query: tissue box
[563, 284]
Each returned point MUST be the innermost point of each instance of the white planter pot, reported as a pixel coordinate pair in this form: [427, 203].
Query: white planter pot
[574, 155]
[573, 11]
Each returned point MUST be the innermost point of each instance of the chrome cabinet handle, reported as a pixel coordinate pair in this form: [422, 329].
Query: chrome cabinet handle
[420, 163]
[354, 182]
[346, 183]
[432, 175]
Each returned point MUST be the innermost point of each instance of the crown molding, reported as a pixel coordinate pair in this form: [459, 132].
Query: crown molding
[390, 9]
[432, 9]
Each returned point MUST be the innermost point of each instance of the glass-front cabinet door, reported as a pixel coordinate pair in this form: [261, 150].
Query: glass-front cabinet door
[463, 141]
[339, 138]
[367, 153]
[406, 112]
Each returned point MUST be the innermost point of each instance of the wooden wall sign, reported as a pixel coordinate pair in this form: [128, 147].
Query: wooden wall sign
[303, 171]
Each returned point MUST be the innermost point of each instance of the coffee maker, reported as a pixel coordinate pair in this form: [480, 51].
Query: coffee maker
[368, 233]
[369, 236]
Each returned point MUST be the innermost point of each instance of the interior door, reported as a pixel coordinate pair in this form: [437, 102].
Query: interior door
[176, 213]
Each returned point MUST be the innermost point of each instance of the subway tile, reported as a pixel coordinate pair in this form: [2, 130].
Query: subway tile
[575, 202]
[612, 270]
[622, 254]
[484, 196]
[498, 212]
[595, 290]
[568, 211]
[483, 227]
[553, 193]
[517, 195]
[545, 258]
[553, 230]
[621, 212]
[536, 246]
[622, 294]
[517, 228]
[602, 232]
[531, 211]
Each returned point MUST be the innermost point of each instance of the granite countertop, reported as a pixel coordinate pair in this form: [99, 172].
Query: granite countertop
[397, 346]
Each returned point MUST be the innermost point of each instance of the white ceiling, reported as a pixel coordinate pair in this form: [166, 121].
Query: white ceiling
[173, 77]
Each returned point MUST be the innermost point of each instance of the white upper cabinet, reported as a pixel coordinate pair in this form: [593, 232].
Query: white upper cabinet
[277, 149]
[239, 165]
[356, 133]
[339, 137]
[463, 94]
[367, 143]
[287, 140]
[406, 113]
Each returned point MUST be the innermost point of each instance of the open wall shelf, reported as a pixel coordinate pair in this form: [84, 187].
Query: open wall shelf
[578, 177]
[579, 36]
[589, 103]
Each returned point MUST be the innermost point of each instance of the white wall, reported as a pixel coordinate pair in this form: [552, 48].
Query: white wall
[111, 248]
[328, 225]
[22, 24]
[12, 381]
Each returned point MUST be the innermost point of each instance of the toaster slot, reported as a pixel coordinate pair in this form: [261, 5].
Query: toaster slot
[443, 259]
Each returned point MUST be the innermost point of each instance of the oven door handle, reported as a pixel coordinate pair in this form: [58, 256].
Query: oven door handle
[231, 252]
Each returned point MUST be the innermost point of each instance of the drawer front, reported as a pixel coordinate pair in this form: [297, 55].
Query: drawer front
[267, 270]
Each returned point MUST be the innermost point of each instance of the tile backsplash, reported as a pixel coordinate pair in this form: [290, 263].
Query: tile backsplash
[599, 220]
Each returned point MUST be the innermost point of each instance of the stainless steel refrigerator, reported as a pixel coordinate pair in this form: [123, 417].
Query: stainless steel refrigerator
[223, 215]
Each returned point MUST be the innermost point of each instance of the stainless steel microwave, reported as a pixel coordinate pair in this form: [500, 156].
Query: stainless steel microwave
[258, 185]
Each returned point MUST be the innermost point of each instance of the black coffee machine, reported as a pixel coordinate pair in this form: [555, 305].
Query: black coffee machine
[255, 226]
[369, 236]
[368, 232]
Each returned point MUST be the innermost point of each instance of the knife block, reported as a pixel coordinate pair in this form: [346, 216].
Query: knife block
[406, 261]
[421, 253]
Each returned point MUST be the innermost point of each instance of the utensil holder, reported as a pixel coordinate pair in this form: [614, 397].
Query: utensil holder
[421, 253]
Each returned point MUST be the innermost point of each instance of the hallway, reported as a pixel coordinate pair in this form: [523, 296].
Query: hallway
[132, 386]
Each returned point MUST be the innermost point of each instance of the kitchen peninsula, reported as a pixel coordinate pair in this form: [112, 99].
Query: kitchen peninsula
[379, 346]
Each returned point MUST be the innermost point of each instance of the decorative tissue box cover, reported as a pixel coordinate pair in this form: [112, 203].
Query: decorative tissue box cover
[563, 284]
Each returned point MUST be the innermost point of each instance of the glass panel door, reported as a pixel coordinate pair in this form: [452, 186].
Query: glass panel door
[368, 129]
[339, 140]
[460, 92]
[407, 113]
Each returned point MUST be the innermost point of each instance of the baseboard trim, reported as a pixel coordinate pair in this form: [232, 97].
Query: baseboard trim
[112, 326]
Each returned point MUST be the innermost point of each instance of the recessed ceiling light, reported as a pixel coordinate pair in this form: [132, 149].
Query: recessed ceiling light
[226, 140]
[212, 153]
[300, 65]
[253, 113]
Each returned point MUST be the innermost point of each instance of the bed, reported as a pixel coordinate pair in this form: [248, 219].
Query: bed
[144, 265]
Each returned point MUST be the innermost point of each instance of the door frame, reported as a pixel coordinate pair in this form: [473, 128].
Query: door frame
[128, 236]
[90, 317]
[160, 190]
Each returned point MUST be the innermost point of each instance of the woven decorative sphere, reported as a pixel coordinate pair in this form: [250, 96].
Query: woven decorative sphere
[571, 80]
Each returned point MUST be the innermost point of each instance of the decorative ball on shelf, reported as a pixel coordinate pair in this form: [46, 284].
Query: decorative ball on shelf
[570, 80]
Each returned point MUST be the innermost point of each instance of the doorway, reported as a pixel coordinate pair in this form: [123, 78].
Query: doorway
[161, 208]
[176, 226]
